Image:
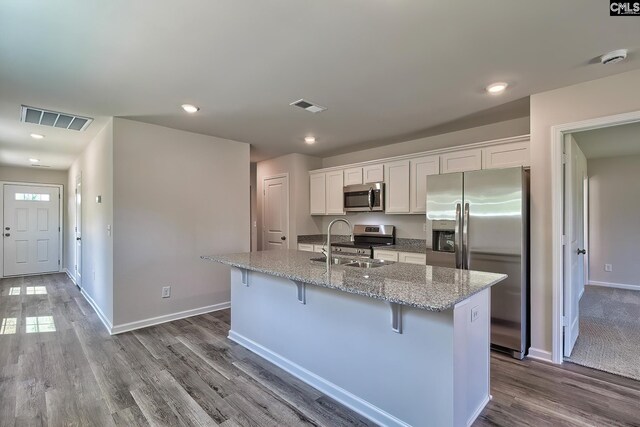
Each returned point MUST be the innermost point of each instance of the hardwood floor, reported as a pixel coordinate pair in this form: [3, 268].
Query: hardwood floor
[187, 373]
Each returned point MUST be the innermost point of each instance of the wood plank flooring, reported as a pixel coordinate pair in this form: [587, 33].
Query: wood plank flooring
[187, 373]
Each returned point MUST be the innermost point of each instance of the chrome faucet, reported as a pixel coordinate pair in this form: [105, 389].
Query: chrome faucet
[328, 252]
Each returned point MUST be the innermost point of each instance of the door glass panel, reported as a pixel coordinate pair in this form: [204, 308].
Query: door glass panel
[32, 197]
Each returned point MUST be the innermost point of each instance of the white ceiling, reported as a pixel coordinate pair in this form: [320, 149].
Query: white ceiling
[384, 68]
[614, 141]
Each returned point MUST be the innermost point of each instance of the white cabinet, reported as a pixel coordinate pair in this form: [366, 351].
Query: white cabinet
[373, 173]
[352, 176]
[421, 168]
[385, 255]
[318, 194]
[326, 193]
[461, 161]
[412, 258]
[305, 247]
[335, 193]
[318, 248]
[397, 187]
[506, 155]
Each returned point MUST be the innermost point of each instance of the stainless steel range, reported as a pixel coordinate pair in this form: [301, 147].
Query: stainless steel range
[365, 238]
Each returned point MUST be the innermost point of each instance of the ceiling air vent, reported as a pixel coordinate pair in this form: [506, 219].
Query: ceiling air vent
[308, 106]
[55, 119]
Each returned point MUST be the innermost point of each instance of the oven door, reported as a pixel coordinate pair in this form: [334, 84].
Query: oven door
[364, 198]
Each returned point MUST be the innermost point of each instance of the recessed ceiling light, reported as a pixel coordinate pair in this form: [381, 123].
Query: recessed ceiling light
[310, 139]
[497, 88]
[36, 136]
[190, 108]
[32, 160]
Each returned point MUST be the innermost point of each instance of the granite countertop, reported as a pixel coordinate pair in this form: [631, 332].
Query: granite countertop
[422, 286]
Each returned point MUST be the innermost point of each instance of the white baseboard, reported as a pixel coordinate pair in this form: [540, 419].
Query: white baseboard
[536, 353]
[138, 324]
[73, 279]
[614, 285]
[348, 399]
[478, 411]
[103, 318]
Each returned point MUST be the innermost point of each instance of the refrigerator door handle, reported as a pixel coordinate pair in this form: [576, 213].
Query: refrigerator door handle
[457, 247]
[465, 239]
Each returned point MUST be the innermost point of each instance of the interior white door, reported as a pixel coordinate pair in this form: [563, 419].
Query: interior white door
[31, 229]
[574, 251]
[275, 213]
[78, 232]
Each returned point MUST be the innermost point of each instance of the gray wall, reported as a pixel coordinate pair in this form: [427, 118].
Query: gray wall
[177, 196]
[95, 165]
[597, 98]
[297, 166]
[614, 222]
[497, 130]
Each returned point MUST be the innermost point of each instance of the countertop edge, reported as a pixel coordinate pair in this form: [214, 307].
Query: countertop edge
[323, 284]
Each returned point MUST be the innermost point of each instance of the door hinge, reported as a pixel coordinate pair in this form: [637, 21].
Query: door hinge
[563, 239]
[58, 262]
[564, 158]
[59, 229]
[565, 321]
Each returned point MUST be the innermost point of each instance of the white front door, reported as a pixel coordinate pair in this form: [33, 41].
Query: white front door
[78, 232]
[31, 229]
[574, 249]
[275, 213]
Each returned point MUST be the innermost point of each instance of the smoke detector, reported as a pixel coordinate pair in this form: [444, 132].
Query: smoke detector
[308, 106]
[614, 56]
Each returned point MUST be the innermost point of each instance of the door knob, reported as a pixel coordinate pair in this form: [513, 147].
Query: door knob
[7, 234]
[582, 251]
[283, 238]
[7, 228]
[78, 238]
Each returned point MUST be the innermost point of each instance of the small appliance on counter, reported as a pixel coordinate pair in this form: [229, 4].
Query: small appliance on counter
[364, 198]
[365, 238]
[479, 221]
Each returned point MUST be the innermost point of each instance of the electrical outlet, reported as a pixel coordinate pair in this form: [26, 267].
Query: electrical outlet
[608, 267]
[475, 313]
[166, 292]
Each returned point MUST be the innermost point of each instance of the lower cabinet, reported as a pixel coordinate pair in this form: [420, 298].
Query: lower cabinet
[412, 258]
[309, 247]
[406, 257]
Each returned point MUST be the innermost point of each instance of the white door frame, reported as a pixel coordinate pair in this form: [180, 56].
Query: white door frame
[557, 206]
[266, 178]
[60, 219]
[77, 265]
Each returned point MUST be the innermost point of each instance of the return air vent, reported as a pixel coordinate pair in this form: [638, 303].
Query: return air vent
[55, 119]
[308, 106]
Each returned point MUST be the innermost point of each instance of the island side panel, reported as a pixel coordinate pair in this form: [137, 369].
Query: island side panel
[343, 345]
[472, 328]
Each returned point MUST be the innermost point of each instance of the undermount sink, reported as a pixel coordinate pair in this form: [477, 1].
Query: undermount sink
[366, 264]
[336, 260]
[347, 262]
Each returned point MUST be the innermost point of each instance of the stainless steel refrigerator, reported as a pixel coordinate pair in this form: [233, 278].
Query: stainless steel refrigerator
[479, 221]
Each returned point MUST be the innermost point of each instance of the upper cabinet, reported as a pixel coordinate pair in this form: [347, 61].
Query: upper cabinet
[461, 161]
[373, 173]
[397, 187]
[318, 194]
[406, 176]
[420, 169]
[335, 193]
[506, 155]
[326, 193]
[353, 176]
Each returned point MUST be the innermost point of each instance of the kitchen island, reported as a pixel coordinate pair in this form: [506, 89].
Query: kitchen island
[401, 344]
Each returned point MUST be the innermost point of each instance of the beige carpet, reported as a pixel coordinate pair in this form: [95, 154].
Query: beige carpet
[609, 337]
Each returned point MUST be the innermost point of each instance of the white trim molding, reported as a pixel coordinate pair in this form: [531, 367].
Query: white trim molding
[348, 399]
[614, 285]
[139, 324]
[103, 318]
[557, 209]
[537, 354]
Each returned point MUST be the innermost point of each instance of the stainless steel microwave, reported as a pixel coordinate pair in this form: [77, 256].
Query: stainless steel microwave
[364, 198]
